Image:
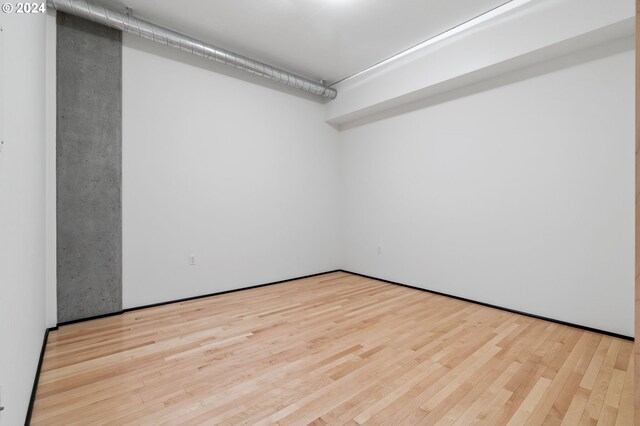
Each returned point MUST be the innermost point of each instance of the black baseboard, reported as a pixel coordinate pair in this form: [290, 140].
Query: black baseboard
[27, 420]
[502, 308]
[108, 314]
[153, 305]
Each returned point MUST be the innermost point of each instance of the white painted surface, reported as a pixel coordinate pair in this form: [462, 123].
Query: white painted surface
[51, 274]
[242, 176]
[328, 39]
[521, 34]
[22, 197]
[516, 192]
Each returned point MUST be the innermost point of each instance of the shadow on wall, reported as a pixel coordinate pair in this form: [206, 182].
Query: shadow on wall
[521, 73]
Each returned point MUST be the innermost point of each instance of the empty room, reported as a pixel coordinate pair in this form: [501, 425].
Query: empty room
[319, 212]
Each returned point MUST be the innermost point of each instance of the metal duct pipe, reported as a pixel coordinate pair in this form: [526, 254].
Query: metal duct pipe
[144, 29]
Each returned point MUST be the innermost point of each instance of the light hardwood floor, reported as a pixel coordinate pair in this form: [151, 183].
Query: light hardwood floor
[332, 349]
[637, 295]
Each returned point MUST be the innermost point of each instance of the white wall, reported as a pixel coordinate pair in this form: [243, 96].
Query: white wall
[22, 223]
[516, 192]
[242, 175]
[51, 247]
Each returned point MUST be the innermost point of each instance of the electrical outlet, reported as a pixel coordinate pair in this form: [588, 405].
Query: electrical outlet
[379, 249]
[192, 259]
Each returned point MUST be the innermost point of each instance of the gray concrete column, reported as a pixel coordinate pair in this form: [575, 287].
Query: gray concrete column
[89, 165]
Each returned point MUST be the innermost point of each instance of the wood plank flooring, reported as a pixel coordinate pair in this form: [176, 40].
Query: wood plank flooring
[637, 190]
[332, 349]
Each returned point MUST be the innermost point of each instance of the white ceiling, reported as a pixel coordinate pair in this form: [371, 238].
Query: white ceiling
[328, 39]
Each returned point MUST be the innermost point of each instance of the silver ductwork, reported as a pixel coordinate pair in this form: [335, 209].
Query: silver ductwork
[125, 22]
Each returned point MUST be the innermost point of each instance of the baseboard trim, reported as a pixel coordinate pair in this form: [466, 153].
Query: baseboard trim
[34, 389]
[186, 299]
[108, 314]
[502, 308]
